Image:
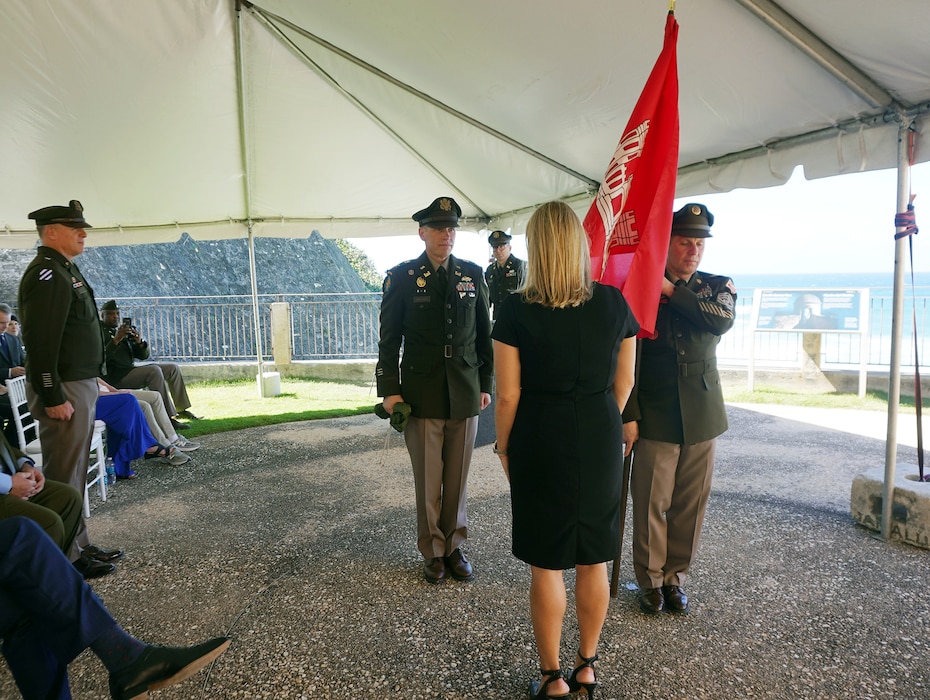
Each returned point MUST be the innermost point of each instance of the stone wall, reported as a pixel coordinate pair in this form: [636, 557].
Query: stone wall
[202, 268]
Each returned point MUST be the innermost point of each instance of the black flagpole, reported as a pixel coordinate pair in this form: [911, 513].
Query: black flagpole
[624, 493]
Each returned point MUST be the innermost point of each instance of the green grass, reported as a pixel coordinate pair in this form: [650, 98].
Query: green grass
[872, 401]
[232, 405]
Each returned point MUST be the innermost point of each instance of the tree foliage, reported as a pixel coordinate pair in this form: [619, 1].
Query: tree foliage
[362, 264]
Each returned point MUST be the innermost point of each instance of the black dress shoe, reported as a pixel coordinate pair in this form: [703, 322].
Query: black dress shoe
[178, 425]
[434, 569]
[89, 567]
[459, 566]
[675, 599]
[159, 667]
[187, 415]
[101, 554]
[651, 601]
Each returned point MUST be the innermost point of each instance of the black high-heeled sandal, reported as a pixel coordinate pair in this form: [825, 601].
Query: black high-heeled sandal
[575, 685]
[538, 690]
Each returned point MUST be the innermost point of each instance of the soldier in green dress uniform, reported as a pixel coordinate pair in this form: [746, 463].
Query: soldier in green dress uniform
[505, 275]
[675, 414]
[64, 357]
[436, 307]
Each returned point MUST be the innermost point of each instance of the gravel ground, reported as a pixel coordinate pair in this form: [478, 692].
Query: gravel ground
[298, 541]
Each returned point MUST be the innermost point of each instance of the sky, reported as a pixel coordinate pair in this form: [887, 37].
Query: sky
[831, 225]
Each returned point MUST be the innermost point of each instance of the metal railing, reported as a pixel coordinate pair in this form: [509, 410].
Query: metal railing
[345, 326]
[218, 329]
[838, 350]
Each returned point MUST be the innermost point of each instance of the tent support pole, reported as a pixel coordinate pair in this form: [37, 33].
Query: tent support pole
[247, 197]
[255, 312]
[897, 316]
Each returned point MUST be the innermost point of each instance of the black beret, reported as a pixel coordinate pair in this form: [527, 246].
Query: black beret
[693, 221]
[443, 212]
[71, 215]
[499, 238]
[110, 306]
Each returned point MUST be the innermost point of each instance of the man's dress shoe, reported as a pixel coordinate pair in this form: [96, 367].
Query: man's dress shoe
[177, 425]
[101, 554]
[434, 569]
[675, 599]
[88, 567]
[188, 415]
[159, 667]
[651, 601]
[459, 566]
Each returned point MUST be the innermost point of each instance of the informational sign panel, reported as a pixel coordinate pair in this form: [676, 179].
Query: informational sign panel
[805, 311]
[811, 310]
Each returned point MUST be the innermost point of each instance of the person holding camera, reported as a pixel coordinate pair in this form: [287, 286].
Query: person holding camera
[124, 346]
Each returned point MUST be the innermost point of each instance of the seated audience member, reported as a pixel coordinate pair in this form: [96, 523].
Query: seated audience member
[125, 346]
[12, 364]
[128, 435]
[13, 327]
[156, 417]
[24, 490]
[41, 639]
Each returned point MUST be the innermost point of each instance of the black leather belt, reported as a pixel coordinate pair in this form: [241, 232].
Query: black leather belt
[699, 367]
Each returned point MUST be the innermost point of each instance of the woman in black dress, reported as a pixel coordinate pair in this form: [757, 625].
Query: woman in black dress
[564, 350]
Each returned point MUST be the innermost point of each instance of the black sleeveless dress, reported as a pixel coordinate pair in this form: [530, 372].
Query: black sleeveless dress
[565, 449]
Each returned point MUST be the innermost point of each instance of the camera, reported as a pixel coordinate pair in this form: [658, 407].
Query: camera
[127, 322]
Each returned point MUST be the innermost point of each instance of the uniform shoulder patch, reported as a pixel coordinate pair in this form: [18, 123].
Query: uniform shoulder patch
[45, 274]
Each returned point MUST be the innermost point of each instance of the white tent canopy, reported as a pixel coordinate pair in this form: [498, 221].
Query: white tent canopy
[346, 116]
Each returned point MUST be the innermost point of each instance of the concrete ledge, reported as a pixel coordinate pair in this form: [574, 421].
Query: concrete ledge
[910, 512]
[334, 370]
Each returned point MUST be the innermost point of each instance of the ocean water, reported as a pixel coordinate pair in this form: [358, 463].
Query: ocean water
[880, 284]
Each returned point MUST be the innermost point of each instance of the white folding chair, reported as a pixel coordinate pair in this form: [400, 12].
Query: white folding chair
[27, 432]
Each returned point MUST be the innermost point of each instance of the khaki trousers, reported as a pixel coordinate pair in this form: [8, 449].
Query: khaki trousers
[670, 485]
[440, 453]
[66, 443]
[163, 377]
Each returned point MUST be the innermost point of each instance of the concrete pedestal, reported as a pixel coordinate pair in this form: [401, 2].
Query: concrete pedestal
[269, 383]
[910, 511]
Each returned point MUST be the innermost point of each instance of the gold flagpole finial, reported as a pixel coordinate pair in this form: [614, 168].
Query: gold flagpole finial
[671, 6]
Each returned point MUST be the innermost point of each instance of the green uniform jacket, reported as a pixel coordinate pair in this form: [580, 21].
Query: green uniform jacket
[121, 358]
[448, 360]
[677, 396]
[504, 279]
[61, 331]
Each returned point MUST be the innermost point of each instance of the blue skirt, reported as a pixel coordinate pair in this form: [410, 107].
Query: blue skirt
[128, 435]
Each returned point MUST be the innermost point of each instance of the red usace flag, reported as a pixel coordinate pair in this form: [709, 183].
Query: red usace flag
[630, 220]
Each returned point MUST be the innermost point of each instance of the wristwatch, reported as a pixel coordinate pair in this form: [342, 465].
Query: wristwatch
[497, 451]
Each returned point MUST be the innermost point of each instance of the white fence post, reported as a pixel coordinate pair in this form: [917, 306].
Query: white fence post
[281, 333]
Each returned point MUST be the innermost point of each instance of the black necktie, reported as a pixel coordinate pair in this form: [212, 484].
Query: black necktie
[443, 278]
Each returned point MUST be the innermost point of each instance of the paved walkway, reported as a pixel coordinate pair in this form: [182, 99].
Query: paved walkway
[298, 541]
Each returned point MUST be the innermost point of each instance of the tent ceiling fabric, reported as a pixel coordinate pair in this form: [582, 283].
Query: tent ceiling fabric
[132, 106]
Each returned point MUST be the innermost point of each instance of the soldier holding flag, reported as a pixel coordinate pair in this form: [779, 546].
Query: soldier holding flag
[674, 415]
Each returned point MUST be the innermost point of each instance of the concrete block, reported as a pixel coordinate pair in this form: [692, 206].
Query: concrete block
[269, 384]
[910, 512]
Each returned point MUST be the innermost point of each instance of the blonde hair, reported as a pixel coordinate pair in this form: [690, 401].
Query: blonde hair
[559, 266]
